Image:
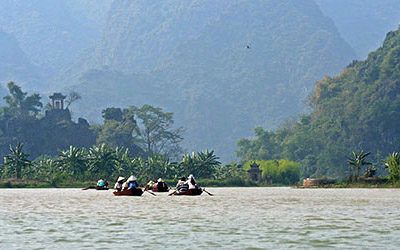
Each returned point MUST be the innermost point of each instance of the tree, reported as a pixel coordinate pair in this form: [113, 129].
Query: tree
[73, 161]
[154, 133]
[49, 170]
[72, 97]
[16, 162]
[102, 161]
[159, 166]
[201, 164]
[392, 164]
[357, 161]
[19, 103]
[118, 130]
[112, 114]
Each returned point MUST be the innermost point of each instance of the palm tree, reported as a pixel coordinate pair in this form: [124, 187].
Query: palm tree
[357, 161]
[160, 166]
[200, 164]
[16, 162]
[102, 161]
[48, 170]
[73, 161]
[392, 164]
[123, 160]
[207, 162]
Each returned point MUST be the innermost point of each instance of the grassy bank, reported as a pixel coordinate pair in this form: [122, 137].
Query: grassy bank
[14, 183]
[362, 185]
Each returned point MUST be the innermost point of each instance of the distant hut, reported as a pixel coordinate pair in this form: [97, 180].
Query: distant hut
[57, 101]
[57, 111]
[254, 172]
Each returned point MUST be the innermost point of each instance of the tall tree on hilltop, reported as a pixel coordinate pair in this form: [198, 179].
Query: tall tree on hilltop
[155, 133]
[19, 103]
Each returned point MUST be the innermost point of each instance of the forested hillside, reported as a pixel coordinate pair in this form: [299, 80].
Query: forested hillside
[221, 66]
[355, 110]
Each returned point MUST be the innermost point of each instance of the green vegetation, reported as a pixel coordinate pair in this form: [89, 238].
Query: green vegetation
[356, 110]
[283, 172]
[52, 150]
[393, 166]
[76, 167]
[357, 161]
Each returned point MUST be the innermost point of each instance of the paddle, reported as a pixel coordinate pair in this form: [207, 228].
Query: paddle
[210, 194]
[90, 187]
[150, 192]
[172, 193]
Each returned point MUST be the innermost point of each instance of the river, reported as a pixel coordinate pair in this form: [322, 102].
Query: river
[234, 218]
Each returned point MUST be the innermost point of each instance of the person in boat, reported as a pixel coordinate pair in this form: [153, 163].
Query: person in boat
[192, 182]
[160, 186]
[131, 183]
[149, 185]
[182, 186]
[102, 184]
[119, 183]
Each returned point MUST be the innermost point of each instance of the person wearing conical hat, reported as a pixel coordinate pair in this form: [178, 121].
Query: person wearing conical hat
[118, 184]
[161, 185]
[131, 183]
[192, 182]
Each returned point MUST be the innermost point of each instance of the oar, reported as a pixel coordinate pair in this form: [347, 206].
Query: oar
[148, 191]
[90, 187]
[172, 193]
[210, 194]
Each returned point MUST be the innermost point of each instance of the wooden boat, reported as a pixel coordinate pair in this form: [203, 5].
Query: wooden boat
[129, 192]
[101, 188]
[159, 191]
[155, 188]
[198, 191]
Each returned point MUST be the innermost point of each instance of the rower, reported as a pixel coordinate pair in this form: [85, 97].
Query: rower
[102, 184]
[131, 183]
[192, 182]
[161, 185]
[182, 186]
[118, 184]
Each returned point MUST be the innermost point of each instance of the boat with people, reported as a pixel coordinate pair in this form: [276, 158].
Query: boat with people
[193, 192]
[188, 186]
[129, 192]
[159, 186]
[128, 188]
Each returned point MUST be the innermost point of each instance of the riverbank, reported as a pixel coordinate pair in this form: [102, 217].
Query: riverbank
[14, 183]
[18, 183]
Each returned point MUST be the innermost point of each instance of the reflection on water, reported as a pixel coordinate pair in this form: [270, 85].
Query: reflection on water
[240, 218]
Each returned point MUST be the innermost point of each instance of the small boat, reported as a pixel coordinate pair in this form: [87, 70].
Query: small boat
[160, 191]
[198, 191]
[95, 187]
[129, 192]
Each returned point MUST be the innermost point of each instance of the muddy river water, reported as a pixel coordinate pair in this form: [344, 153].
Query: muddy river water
[234, 218]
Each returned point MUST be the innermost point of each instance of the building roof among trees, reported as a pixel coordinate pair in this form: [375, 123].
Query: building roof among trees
[57, 96]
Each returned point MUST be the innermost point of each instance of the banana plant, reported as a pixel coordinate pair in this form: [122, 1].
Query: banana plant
[16, 162]
[392, 164]
[357, 161]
